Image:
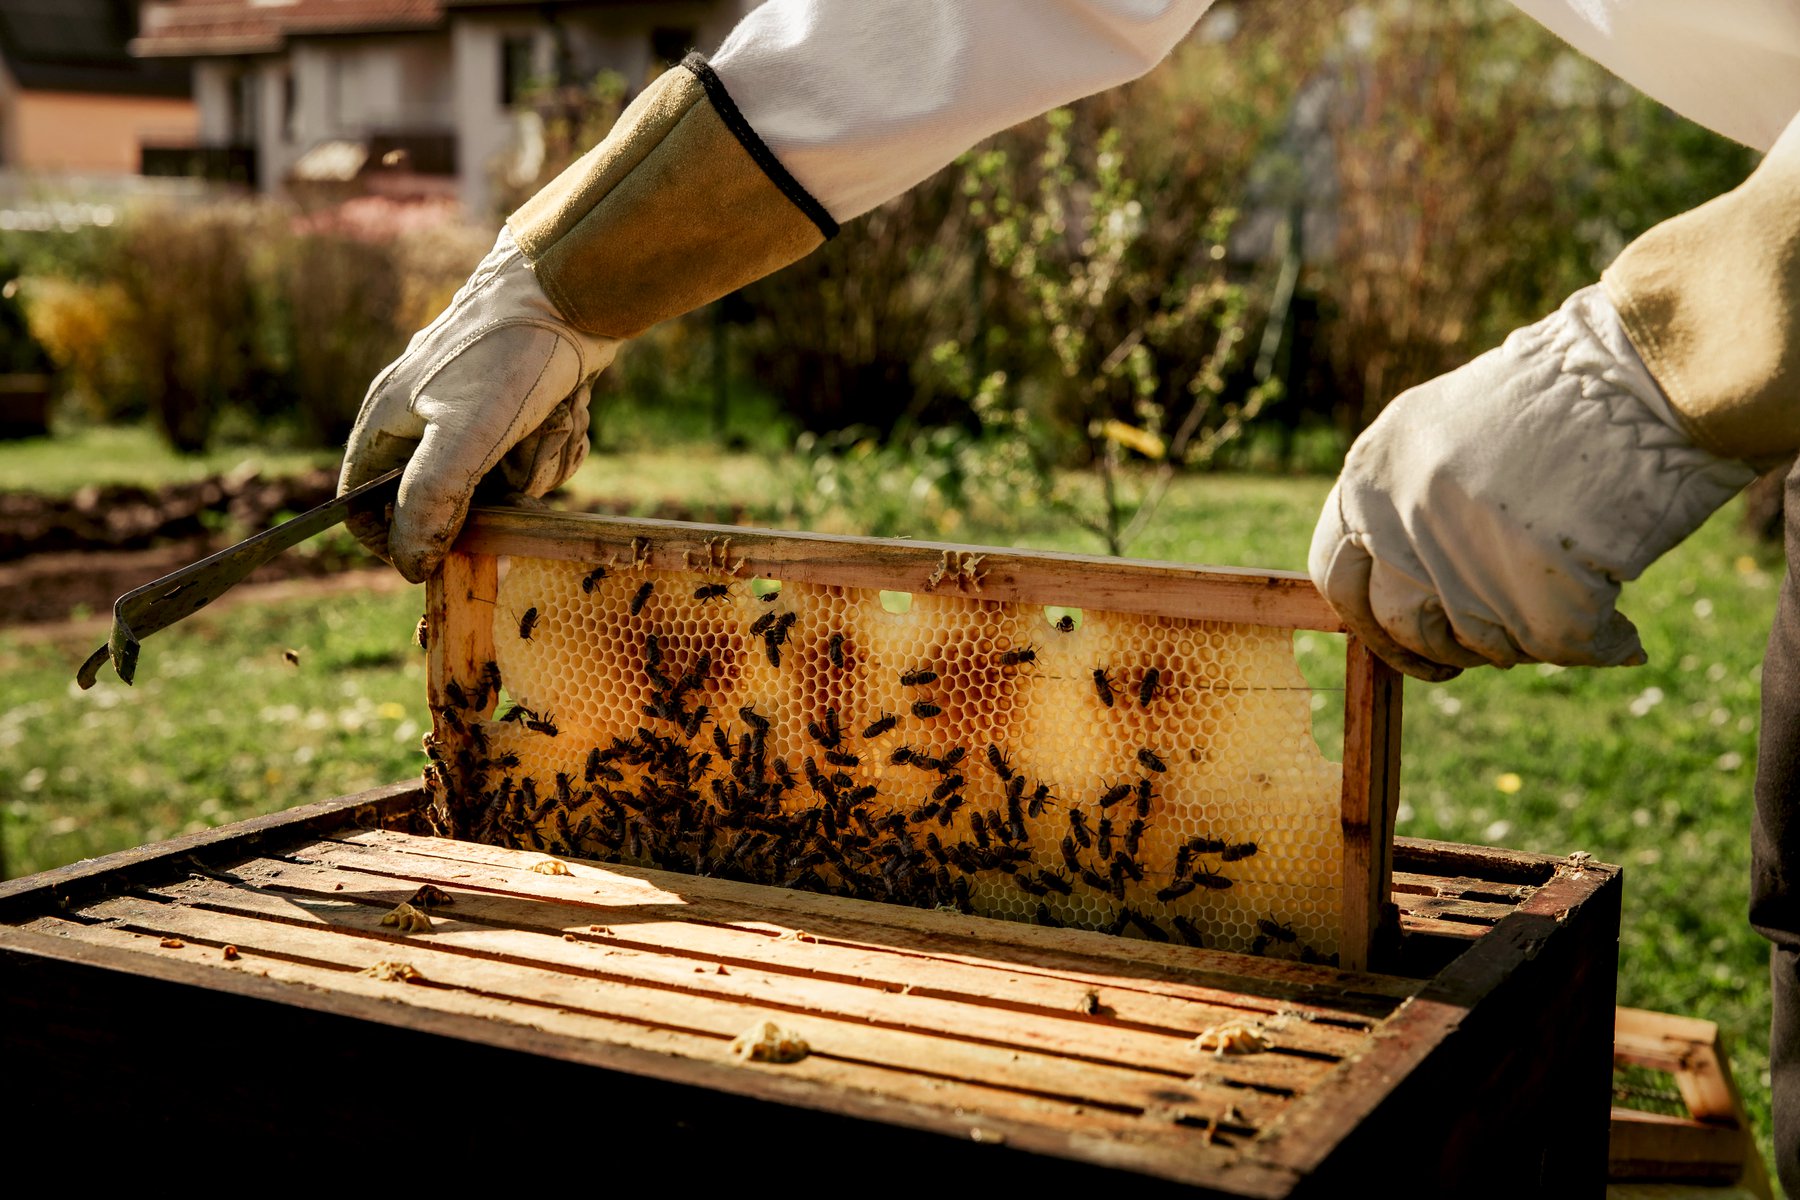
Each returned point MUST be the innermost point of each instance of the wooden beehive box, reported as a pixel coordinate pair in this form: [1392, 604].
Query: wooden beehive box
[1463, 1044]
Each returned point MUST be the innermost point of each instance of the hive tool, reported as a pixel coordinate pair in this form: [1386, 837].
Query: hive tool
[159, 604]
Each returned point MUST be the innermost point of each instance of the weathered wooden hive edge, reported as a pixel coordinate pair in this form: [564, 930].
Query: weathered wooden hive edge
[1306, 1146]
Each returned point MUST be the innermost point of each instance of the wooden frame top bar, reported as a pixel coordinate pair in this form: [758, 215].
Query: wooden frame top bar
[1278, 599]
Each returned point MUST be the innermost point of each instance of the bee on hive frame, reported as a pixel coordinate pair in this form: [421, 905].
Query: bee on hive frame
[881, 725]
[1065, 624]
[528, 622]
[1189, 933]
[918, 678]
[1044, 917]
[1014, 658]
[998, 760]
[1151, 760]
[1147, 689]
[1103, 687]
[712, 591]
[592, 579]
[1237, 851]
[835, 648]
[925, 708]
[642, 596]
[1079, 829]
[761, 625]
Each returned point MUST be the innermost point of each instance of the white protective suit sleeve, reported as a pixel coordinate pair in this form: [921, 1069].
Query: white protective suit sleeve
[862, 100]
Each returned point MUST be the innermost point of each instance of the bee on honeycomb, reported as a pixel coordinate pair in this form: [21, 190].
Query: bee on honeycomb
[961, 754]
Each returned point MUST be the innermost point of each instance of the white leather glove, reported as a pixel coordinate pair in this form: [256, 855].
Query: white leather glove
[500, 379]
[1490, 515]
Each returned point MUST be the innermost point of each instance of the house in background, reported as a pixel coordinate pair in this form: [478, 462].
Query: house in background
[73, 100]
[410, 97]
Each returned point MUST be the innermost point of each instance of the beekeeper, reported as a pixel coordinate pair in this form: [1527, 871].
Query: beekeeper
[1487, 517]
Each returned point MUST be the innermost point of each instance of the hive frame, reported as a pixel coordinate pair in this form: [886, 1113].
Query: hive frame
[461, 595]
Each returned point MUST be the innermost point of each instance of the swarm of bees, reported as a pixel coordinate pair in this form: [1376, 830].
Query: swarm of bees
[697, 786]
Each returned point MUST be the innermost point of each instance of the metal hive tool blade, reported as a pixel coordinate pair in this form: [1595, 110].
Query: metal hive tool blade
[159, 604]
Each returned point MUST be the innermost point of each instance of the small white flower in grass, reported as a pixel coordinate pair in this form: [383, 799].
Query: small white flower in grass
[1640, 817]
[1731, 760]
[1496, 832]
[1703, 608]
[1646, 700]
[33, 780]
[1444, 702]
[1548, 669]
[1715, 673]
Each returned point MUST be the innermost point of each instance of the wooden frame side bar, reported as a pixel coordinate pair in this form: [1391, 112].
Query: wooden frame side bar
[1279, 599]
[1372, 700]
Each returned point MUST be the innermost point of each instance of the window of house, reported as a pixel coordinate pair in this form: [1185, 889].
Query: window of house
[515, 67]
[669, 44]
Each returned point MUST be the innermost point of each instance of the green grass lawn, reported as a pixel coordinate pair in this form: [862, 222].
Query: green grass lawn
[134, 454]
[1649, 767]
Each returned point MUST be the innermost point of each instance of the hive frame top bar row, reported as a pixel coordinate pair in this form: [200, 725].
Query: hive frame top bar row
[1277, 599]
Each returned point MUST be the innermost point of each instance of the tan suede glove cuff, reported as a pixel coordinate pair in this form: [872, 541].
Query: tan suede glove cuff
[1711, 300]
[681, 204]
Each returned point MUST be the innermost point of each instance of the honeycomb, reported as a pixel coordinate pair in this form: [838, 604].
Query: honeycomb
[1145, 776]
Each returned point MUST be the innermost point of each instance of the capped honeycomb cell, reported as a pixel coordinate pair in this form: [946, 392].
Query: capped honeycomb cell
[1146, 776]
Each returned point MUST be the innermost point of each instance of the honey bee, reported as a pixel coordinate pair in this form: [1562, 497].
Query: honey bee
[880, 725]
[1044, 917]
[592, 579]
[834, 649]
[1070, 858]
[1030, 887]
[1126, 863]
[1055, 882]
[454, 693]
[1103, 832]
[1149, 759]
[691, 725]
[1065, 624]
[840, 758]
[593, 765]
[1103, 687]
[761, 625]
[543, 725]
[1146, 926]
[1039, 797]
[1114, 794]
[1147, 689]
[1116, 878]
[978, 827]
[1189, 933]
[925, 708]
[924, 813]
[999, 762]
[754, 719]
[918, 678]
[1133, 835]
[1240, 850]
[956, 755]
[642, 596]
[1205, 845]
[712, 591]
[950, 784]
[1018, 657]
[902, 755]
[1176, 890]
[770, 597]
[1079, 829]
[783, 623]
[528, 622]
[1144, 796]
[951, 804]
[422, 633]
[1212, 880]
[1279, 932]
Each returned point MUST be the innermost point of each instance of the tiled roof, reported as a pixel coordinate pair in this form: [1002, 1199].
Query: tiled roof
[181, 28]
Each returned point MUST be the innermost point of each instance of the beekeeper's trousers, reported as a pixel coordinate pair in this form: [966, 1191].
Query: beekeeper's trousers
[1775, 848]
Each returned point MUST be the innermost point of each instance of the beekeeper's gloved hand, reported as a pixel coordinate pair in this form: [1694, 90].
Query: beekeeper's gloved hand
[681, 204]
[500, 379]
[1490, 515]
